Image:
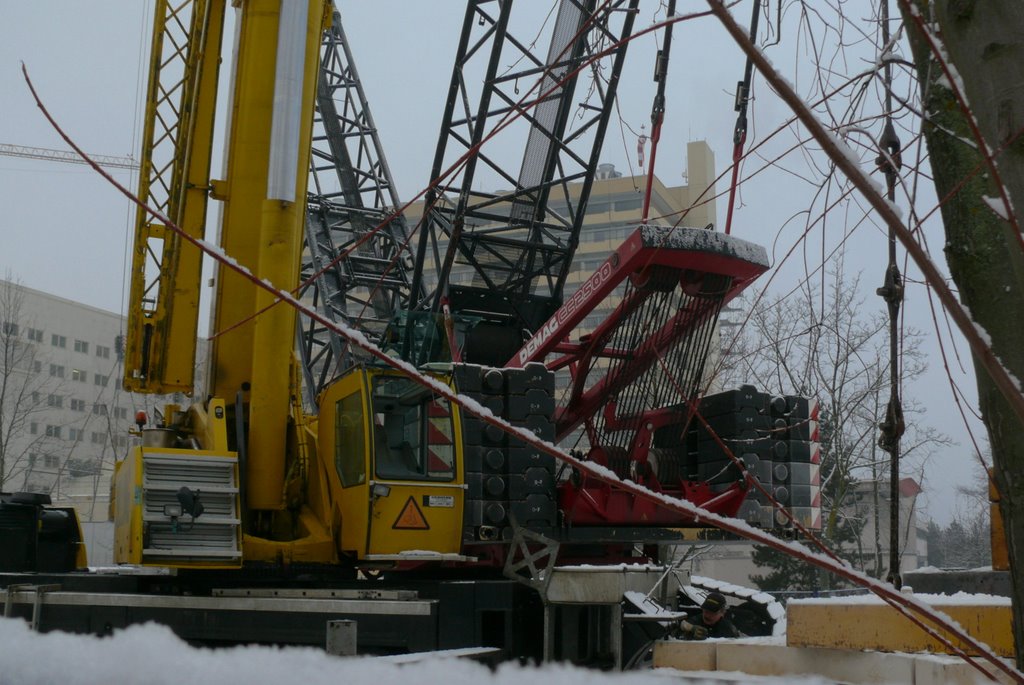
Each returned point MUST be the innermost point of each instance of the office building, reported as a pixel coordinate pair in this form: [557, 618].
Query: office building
[65, 416]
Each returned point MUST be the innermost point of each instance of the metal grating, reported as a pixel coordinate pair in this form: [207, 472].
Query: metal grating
[195, 542]
[352, 271]
[216, 535]
[216, 505]
[213, 472]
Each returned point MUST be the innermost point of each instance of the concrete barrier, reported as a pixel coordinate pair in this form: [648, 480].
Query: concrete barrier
[771, 657]
[869, 623]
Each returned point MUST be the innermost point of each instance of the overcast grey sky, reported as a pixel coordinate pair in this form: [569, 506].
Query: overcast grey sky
[65, 231]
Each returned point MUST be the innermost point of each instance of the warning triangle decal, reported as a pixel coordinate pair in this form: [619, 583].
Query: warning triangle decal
[411, 517]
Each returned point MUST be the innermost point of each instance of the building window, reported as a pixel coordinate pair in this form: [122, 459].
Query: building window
[35, 335]
[101, 380]
[10, 328]
[56, 370]
[79, 375]
[52, 431]
[54, 401]
[76, 434]
[34, 485]
[36, 397]
[32, 456]
[37, 366]
[121, 440]
[51, 461]
[103, 351]
[33, 428]
[58, 340]
[100, 409]
[99, 438]
[81, 346]
[77, 405]
[121, 412]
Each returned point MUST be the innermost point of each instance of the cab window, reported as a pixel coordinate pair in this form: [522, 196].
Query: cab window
[412, 431]
[350, 440]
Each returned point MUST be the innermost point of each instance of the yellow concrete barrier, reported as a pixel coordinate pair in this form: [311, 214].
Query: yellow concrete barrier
[769, 657]
[868, 623]
[686, 655]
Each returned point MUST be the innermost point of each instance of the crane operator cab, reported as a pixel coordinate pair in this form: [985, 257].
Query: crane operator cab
[412, 431]
[395, 454]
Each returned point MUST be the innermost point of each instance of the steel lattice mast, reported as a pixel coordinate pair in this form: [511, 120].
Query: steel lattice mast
[66, 156]
[175, 178]
[350, 271]
[518, 248]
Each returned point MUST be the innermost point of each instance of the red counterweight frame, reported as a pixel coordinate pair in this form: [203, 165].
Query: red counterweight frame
[683, 256]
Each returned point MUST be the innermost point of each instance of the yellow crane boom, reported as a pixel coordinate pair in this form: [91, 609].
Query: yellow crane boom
[176, 146]
[244, 425]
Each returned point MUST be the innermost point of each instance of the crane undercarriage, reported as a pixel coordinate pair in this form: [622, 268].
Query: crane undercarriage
[471, 493]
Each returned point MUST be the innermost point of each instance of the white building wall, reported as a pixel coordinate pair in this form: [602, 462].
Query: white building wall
[80, 414]
[729, 562]
[910, 545]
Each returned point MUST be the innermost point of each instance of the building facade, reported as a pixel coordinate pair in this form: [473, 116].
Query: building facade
[872, 506]
[731, 561]
[65, 416]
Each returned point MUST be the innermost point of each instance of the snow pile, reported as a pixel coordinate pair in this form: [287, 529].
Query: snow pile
[648, 607]
[774, 608]
[997, 205]
[608, 568]
[959, 598]
[152, 654]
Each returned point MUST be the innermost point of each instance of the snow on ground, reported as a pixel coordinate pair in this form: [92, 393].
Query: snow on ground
[152, 654]
[967, 598]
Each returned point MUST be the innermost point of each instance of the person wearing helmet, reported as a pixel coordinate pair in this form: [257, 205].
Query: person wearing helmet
[709, 621]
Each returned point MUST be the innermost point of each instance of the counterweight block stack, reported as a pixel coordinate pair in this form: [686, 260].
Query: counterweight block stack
[507, 479]
[776, 439]
[796, 476]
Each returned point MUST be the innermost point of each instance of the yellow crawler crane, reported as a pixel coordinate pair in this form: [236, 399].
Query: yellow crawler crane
[368, 467]
[301, 467]
[238, 479]
[195, 457]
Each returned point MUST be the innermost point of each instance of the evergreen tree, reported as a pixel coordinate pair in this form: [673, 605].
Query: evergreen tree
[936, 545]
[955, 541]
[979, 541]
[788, 573]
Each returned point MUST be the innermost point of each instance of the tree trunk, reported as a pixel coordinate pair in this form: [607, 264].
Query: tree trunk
[985, 41]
